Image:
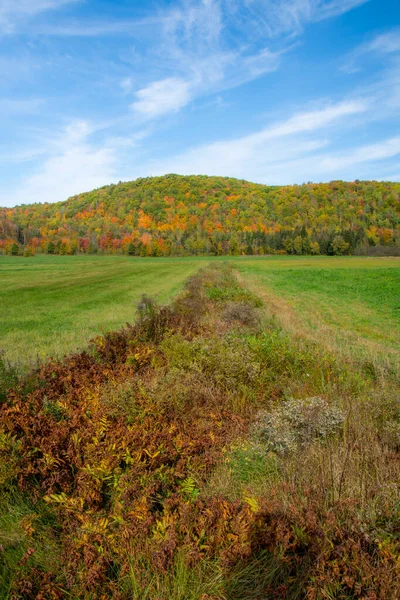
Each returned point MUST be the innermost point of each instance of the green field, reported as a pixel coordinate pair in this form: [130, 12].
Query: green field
[350, 304]
[51, 305]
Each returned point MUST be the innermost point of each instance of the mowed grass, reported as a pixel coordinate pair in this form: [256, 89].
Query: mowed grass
[53, 305]
[351, 304]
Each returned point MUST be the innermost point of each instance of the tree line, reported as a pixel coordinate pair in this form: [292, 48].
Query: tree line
[200, 215]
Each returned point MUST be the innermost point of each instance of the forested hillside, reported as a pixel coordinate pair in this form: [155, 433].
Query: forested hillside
[178, 215]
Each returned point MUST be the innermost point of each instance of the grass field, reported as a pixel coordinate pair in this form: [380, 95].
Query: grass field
[52, 305]
[350, 304]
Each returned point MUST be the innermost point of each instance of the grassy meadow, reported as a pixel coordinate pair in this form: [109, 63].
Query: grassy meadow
[350, 304]
[53, 305]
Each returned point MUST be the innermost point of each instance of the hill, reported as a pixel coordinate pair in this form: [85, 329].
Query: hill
[179, 215]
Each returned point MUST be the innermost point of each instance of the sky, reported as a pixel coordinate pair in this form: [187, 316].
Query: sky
[94, 92]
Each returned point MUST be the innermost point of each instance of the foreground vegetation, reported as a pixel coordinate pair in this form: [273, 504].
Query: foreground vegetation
[199, 215]
[204, 453]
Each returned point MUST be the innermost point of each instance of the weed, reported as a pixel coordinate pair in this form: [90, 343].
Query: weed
[241, 313]
[153, 320]
[182, 582]
[250, 462]
[9, 376]
[296, 423]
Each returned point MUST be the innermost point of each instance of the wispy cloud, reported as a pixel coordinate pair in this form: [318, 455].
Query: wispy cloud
[161, 97]
[72, 163]
[203, 46]
[370, 161]
[252, 155]
[382, 44]
[13, 12]
[275, 18]
[190, 44]
[312, 120]
[369, 153]
[385, 43]
[271, 18]
[327, 9]
[97, 28]
[214, 45]
[192, 48]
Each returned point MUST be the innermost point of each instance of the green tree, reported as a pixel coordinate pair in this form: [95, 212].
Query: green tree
[340, 246]
[288, 245]
[298, 244]
[314, 248]
[14, 250]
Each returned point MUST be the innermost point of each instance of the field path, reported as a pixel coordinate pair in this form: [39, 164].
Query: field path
[318, 321]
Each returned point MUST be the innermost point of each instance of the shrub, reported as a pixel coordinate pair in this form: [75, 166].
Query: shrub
[222, 286]
[236, 294]
[296, 423]
[184, 390]
[153, 320]
[242, 313]
[227, 362]
[340, 246]
[29, 251]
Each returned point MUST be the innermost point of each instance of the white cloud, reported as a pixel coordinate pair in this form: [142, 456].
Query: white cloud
[13, 11]
[368, 153]
[326, 9]
[72, 166]
[250, 156]
[385, 43]
[211, 46]
[381, 45]
[161, 97]
[275, 18]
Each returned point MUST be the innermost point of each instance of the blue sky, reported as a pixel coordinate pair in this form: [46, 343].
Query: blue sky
[274, 91]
